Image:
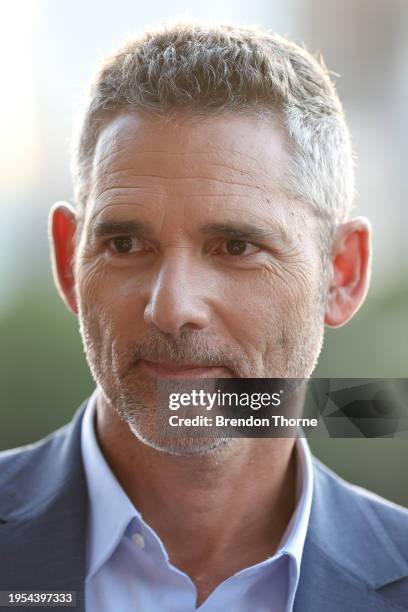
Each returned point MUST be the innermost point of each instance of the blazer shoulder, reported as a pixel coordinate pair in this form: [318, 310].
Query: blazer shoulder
[362, 503]
[13, 460]
[33, 473]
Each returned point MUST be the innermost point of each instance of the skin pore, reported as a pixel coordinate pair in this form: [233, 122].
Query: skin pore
[193, 262]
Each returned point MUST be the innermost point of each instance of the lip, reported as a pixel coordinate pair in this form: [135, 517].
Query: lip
[170, 369]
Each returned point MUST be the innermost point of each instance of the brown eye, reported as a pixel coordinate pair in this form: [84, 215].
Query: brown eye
[122, 244]
[236, 247]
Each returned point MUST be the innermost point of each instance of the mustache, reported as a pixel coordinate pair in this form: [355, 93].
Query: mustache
[190, 346]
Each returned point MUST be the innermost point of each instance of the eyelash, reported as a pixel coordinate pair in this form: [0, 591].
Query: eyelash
[209, 250]
[246, 242]
[110, 242]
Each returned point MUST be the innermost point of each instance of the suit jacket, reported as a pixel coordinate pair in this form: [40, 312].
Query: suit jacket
[355, 556]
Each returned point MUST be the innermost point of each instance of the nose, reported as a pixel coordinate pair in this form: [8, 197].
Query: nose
[177, 297]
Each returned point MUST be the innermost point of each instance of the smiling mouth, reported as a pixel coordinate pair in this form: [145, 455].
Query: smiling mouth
[170, 369]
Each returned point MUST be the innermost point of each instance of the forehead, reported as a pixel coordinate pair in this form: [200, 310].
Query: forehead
[252, 146]
[230, 163]
[252, 140]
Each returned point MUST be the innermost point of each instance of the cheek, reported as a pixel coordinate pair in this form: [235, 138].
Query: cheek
[108, 296]
[91, 286]
[111, 314]
[264, 308]
[252, 306]
[298, 295]
[95, 313]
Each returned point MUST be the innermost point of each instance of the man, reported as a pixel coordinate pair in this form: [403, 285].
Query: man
[211, 239]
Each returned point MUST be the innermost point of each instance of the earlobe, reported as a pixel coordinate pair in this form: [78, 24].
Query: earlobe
[62, 228]
[351, 263]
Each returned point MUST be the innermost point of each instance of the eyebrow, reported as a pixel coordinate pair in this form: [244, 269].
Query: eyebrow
[243, 231]
[238, 231]
[133, 228]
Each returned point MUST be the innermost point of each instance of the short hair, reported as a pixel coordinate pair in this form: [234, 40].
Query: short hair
[212, 69]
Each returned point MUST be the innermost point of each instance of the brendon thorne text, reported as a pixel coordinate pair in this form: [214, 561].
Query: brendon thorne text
[250, 421]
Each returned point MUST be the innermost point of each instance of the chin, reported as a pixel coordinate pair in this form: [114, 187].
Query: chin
[181, 446]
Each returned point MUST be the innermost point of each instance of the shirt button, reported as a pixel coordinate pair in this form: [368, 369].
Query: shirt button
[138, 540]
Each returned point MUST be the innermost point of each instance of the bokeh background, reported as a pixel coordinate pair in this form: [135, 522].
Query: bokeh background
[47, 53]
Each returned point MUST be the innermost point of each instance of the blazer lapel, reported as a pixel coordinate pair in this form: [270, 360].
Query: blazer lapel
[325, 586]
[347, 556]
[42, 536]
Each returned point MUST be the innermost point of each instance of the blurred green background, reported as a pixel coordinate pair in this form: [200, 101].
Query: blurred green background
[44, 376]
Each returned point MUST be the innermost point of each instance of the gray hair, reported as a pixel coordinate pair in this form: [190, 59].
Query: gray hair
[210, 69]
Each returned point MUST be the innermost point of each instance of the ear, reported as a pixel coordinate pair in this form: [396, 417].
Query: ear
[62, 227]
[351, 267]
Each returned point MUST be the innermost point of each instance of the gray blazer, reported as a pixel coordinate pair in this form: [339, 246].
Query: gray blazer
[355, 556]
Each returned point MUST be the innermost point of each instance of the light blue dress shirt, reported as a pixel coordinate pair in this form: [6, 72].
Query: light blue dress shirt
[128, 568]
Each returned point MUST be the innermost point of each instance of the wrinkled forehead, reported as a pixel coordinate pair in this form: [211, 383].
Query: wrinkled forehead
[236, 149]
[215, 169]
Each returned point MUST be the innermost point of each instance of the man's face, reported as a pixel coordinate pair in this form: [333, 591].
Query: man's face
[193, 261]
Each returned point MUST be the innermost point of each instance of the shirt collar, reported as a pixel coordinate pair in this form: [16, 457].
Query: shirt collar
[110, 509]
[293, 539]
[106, 528]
